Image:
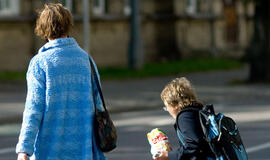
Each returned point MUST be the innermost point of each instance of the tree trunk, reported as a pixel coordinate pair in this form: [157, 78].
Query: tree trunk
[259, 51]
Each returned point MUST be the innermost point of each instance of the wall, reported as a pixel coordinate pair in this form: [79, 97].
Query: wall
[15, 46]
[166, 32]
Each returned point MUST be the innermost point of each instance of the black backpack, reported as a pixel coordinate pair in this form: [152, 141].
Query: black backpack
[222, 135]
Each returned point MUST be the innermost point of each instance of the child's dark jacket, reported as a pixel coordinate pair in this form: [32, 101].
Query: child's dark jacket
[196, 148]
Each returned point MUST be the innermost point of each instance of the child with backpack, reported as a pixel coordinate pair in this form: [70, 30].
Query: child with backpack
[178, 95]
[202, 134]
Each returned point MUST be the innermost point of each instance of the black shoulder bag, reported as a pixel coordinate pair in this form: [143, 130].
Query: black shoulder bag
[105, 132]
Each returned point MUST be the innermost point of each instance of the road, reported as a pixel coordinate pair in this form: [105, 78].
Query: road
[133, 126]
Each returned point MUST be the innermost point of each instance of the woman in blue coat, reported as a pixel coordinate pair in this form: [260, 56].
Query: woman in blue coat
[181, 102]
[58, 116]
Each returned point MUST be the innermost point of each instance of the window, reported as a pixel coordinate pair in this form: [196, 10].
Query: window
[191, 6]
[68, 4]
[99, 7]
[194, 7]
[127, 8]
[9, 7]
[231, 21]
[205, 6]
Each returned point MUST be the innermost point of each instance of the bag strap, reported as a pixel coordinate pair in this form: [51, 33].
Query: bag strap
[95, 78]
[209, 108]
[179, 132]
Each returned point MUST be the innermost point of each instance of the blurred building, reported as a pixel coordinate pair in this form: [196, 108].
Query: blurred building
[170, 29]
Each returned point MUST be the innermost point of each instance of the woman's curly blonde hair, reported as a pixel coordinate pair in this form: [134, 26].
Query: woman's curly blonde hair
[179, 93]
[54, 21]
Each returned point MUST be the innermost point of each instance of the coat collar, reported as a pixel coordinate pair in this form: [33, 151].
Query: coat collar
[59, 43]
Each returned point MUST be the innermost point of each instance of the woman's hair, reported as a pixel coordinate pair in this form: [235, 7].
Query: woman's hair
[179, 93]
[54, 21]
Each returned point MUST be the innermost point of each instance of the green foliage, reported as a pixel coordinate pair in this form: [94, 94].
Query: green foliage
[149, 70]
[170, 68]
[12, 76]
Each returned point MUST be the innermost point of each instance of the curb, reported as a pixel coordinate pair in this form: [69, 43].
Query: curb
[18, 118]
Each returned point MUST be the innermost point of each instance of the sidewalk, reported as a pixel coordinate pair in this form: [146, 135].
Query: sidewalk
[129, 95]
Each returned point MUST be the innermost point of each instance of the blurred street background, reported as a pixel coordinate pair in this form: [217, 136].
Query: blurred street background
[221, 46]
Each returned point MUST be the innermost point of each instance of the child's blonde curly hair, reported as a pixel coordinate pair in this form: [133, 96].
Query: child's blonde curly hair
[179, 93]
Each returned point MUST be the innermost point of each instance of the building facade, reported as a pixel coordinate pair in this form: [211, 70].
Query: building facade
[170, 29]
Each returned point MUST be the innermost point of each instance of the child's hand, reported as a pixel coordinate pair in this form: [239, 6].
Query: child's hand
[163, 156]
[22, 156]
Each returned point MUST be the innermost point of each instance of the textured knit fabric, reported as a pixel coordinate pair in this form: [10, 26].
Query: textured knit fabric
[58, 116]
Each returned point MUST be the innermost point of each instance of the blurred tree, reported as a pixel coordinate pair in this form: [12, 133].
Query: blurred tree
[258, 53]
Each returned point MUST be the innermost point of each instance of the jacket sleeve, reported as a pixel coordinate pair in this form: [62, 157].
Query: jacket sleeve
[189, 125]
[34, 108]
[176, 154]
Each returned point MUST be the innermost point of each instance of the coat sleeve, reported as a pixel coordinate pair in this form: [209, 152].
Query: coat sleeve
[34, 108]
[188, 122]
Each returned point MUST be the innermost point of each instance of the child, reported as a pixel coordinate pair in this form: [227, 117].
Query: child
[177, 96]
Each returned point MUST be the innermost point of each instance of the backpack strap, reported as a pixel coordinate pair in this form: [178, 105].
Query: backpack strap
[204, 114]
[180, 135]
[209, 108]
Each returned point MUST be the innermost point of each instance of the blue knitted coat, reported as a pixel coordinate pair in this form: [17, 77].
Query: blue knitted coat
[59, 110]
